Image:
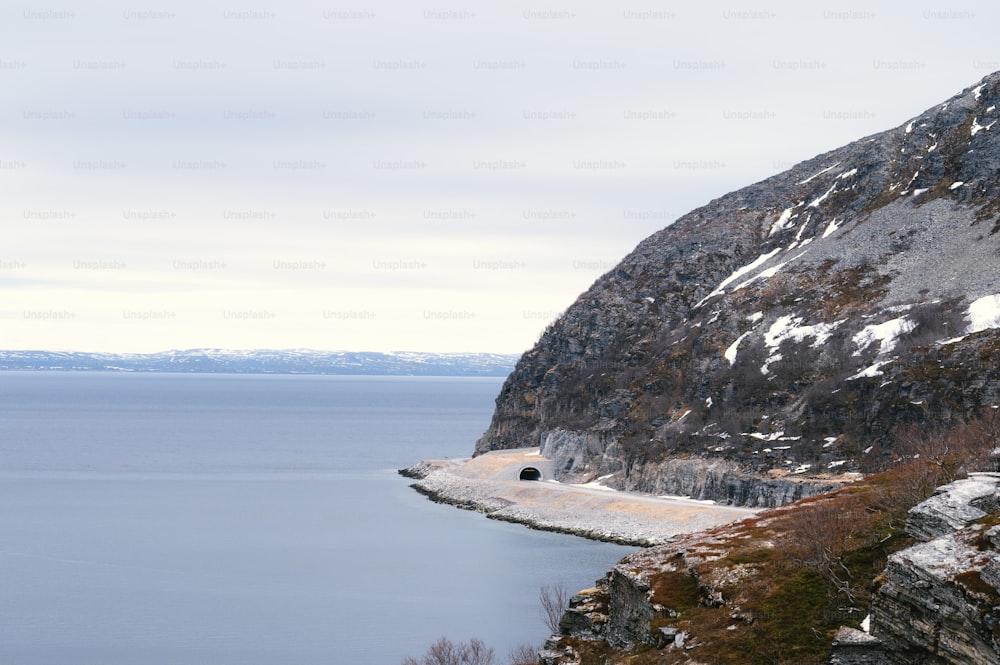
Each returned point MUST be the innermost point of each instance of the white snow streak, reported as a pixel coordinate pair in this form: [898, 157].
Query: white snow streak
[733, 348]
[870, 372]
[756, 263]
[773, 436]
[815, 203]
[750, 267]
[904, 192]
[765, 274]
[816, 175]
[798, 234]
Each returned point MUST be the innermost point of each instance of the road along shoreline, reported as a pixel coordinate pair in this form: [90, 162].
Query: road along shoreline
[492, 484]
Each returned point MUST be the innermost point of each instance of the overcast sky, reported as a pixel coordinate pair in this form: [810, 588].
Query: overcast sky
[407, 176]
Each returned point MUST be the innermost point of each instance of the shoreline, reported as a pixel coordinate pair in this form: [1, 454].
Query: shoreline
[490, 484]
[444, 499]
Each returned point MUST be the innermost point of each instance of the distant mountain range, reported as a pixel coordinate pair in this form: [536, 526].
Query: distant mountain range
[293, 361]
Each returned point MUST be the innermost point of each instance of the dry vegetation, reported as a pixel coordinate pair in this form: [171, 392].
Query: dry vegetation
[473, 652]
[775, 588]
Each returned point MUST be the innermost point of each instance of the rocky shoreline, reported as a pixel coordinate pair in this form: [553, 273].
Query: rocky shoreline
[539, 525]
[488, 484]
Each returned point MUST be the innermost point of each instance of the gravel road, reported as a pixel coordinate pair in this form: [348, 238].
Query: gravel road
[484, 484]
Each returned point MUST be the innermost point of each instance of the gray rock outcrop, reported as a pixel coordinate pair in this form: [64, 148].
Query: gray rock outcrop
[619, 611]
[954, 507]
[940, 599]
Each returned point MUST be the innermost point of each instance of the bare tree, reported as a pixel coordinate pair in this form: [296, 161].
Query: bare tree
[477, 653]
[822, 532]
[443, 652]
[554, 599]
[446, 652]
[523, 654]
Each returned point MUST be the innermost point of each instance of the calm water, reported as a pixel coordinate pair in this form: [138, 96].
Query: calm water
[191, 519]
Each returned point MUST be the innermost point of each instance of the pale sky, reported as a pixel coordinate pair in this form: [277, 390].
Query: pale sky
[407, 176]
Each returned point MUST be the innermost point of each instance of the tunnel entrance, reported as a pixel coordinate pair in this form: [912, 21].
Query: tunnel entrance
[530, 473]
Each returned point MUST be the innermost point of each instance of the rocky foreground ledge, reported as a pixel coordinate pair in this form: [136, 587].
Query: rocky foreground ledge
[715, 597]
[492, 484]
[939, 601]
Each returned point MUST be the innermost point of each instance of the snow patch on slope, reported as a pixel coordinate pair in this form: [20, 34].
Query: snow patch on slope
[789, 328]
[976, 127]
[884, 333]
[984, 313]
[782, 223]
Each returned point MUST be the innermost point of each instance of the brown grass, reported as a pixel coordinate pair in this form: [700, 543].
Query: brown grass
[790, 577]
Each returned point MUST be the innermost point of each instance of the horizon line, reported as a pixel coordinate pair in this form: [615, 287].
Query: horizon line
[259, 350]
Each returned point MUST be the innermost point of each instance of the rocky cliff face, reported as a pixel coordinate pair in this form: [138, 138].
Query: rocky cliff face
[755, 591]
[773, 339]
[940, 600]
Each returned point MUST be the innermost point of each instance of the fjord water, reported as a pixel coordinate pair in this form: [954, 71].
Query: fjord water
[254, 519]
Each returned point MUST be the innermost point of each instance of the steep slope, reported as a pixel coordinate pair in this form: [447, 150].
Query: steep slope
[781, 333]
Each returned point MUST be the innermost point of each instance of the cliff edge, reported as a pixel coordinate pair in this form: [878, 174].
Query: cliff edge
[774, 588]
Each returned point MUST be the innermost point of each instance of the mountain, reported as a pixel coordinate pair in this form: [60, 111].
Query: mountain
[780, 338]
[298, 361]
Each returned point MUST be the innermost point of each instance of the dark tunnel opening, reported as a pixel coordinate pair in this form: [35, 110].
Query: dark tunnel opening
[530, 473]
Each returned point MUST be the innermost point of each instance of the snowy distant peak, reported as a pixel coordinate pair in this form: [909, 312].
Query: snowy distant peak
[266, 361]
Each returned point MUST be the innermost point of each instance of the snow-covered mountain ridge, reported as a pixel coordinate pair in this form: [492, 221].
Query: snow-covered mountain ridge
[292, 361]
